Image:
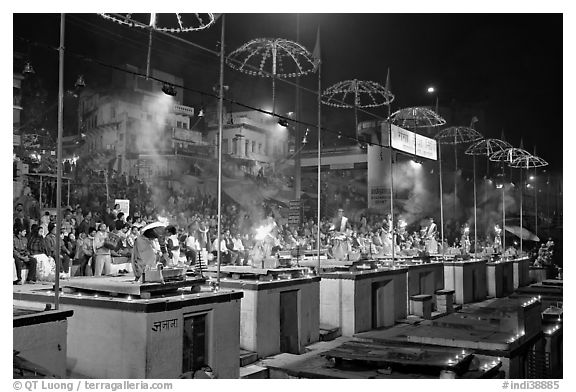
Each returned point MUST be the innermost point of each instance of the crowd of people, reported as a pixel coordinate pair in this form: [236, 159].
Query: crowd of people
[93, 233]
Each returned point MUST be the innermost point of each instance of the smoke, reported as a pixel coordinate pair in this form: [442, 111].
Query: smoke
[152, 139]
[422, 200]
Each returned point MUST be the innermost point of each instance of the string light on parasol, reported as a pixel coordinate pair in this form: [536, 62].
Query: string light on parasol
[528, 162]
[416, 117]
[487, 147]
[357, 93]
[272, 57]
[509, 155]
[457, 135]
[172, 22]
[162, 22]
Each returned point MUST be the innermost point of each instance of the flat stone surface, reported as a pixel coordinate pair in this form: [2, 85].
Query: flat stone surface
[242, 270]
[125, 284]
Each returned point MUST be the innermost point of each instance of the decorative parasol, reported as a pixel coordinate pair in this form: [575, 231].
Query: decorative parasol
[284, 58]
[416, 117]
[357, 94]
[485, 147]
[509, 155]
[522, 233]
[173, 23]
[457, 135]
[526, 162]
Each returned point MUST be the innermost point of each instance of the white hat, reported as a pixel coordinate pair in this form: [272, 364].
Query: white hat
[152, 225]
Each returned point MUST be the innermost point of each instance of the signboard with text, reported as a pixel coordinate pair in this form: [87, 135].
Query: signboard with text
[426, 147]
[295, 213]
[403, 140]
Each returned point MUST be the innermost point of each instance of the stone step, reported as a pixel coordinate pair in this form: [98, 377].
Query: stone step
[254, 372]
[329, 333]
[247, 357]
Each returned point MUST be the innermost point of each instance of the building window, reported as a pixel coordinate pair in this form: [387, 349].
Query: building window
[178, 124]
[225, 146]
[259, 148]
[185, 125]
[253, 146]
[121, 136]
[246, 148]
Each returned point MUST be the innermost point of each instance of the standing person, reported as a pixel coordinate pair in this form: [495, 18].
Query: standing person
[84, 224]
[172, 245]
[340, 222]
[465, 238]
[146, 253]
[67, 252]
[497, 239]
[430, 237]
[239, 247]
[22, 257]
[103, 258]
[88, 253]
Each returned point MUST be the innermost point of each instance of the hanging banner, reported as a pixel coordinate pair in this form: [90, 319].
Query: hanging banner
[426, 147]
[124, 205]
[403, 140]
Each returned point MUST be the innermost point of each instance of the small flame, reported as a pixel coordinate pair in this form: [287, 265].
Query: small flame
[263, 231]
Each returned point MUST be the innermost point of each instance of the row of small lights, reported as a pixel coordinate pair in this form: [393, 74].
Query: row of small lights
[487, 366]
[553, 329]
[531, 301]
[457, 358]
[515, 337]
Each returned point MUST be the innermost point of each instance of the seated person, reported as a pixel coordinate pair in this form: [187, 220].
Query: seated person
[22, 257]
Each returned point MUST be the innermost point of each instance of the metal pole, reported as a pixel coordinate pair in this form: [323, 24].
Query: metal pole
[391, 184]
[40, 196]
[220, 111]
[68, 193]
[521, 197]
[475, 235]
[535, 204]
[59, 162]
[455, 178]
[441, 201]
[319, 156]
[503, 214]
[298, 144]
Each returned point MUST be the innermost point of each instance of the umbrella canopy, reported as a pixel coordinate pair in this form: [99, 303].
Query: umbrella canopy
[509, 155]
[416, 117]
[173, 22]
[487, 147]
[271, 57]
[357, 93]
[457, 135]
[522, 233]
[528, 162]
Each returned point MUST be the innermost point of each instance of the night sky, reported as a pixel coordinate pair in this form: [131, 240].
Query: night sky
[508, 65]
